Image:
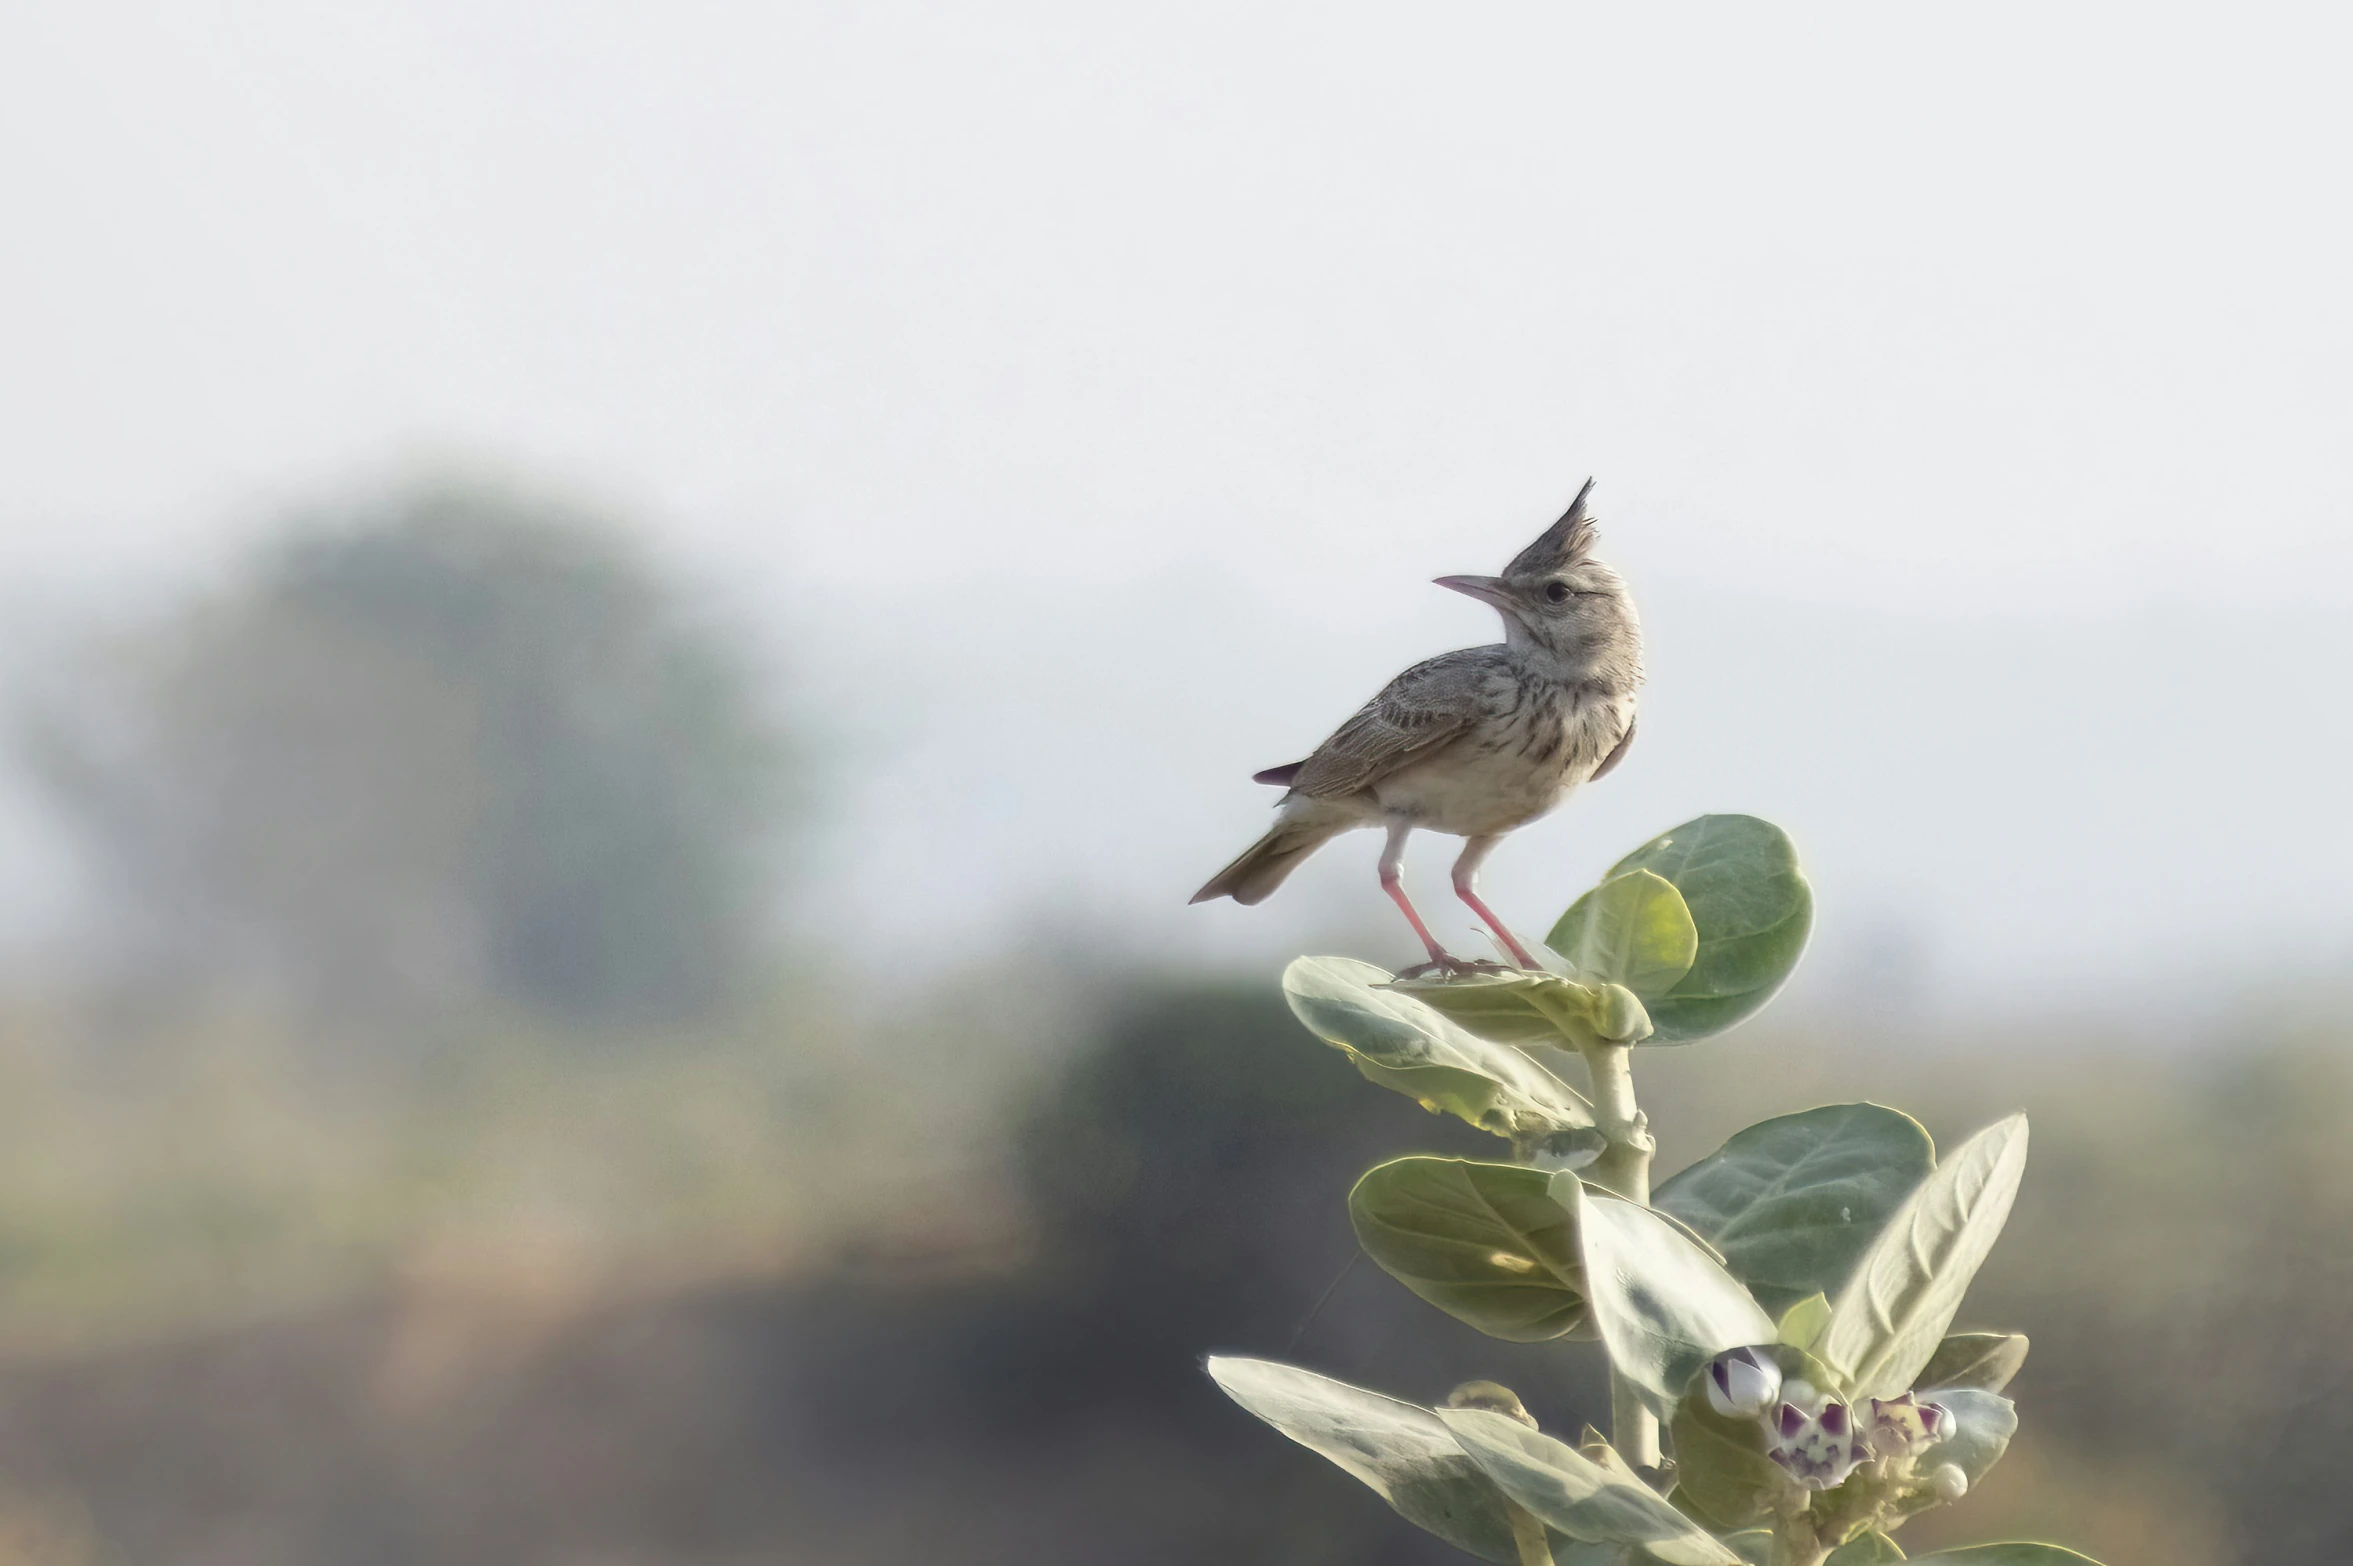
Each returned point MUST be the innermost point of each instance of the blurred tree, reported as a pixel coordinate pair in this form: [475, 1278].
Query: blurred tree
[438, 745]
[1188, 1175]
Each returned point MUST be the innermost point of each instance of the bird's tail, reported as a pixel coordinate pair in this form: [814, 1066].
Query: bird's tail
[1264, 864]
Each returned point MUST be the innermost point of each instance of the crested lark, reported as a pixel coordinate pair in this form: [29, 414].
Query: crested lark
[1477, 742]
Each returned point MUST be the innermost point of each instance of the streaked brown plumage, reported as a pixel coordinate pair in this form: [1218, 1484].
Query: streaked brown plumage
[1476, 743]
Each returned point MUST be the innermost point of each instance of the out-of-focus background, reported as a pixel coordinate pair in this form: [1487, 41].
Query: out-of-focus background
[624, 629]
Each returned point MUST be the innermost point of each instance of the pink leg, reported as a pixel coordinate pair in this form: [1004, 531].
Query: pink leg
[1393, 882]
[1466, 887]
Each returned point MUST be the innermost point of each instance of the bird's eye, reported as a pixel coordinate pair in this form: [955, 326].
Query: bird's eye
[1558, 592]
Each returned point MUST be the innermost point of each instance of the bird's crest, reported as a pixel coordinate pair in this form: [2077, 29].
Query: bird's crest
[1561, 545]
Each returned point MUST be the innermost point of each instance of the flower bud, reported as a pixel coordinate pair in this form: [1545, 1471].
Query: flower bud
[1743, 1383]
[1949, 1483]
[1492, 1396]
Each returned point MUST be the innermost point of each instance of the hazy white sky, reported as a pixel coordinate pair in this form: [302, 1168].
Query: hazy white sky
[1972, 394]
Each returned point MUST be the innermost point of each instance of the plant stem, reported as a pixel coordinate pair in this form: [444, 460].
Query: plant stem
[1534, 1543]
[1634, 1429]
[1623, 1167]
[1796, 1542]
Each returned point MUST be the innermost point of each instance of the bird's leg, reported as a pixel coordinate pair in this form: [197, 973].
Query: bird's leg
[1466, 887]
[1393, 882]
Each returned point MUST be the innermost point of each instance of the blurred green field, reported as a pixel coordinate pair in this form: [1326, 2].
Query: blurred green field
[196, 1172]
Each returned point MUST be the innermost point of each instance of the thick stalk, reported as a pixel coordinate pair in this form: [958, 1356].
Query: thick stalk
[1634, 1429]
[1535, 1545]
[1808, 1551]
[1795, 1543]
[1623, 1167]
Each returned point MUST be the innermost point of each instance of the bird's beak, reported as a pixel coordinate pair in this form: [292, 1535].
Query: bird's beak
[1487, 589]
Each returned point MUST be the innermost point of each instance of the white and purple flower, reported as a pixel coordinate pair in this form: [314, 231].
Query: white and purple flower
[1904, 1425]
[1743, 1383]
[1817, 1449]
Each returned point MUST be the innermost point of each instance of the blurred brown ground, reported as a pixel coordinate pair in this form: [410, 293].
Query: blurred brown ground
[550, 1337]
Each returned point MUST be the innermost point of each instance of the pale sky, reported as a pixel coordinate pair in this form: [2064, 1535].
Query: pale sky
[1088, 393]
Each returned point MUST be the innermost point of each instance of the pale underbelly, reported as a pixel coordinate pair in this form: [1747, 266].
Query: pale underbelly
[1472, 802]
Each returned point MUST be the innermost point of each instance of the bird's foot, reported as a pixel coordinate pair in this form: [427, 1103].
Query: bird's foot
[1447, 966]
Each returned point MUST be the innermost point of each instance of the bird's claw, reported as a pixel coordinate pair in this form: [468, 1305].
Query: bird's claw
[1449, 967]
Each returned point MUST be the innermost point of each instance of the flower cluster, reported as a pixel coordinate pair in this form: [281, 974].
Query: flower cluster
[1816, 1439]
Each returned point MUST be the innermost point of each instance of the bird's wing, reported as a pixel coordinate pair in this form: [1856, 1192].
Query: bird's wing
[1420, 710]
[1617, 753]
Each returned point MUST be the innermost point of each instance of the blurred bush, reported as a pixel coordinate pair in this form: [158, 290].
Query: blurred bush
[1183, 1176]
[432, 747]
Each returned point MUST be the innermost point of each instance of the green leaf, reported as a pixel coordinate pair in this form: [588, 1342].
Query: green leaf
[1486, 1243]
[1793, 1202]
[1400, 1450]
[1752, 1545]
[1975, 1359]
[1868, 1549]
[1722, 1475]
[1514, 1008]
[1605, 1194]
[1397, 1041]
[2005, 1555]
[1664, 1306]
[1633, 929]
[1886, 1323]
[1803, 1322]
[1584, 1499]
[1983, 1423]
[1738, 876]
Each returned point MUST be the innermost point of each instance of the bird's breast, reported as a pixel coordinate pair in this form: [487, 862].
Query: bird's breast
[1531, 748]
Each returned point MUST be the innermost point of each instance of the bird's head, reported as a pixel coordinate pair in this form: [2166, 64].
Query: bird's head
[1557, 599]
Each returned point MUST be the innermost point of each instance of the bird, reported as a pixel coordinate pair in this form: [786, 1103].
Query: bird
[1475, 743]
